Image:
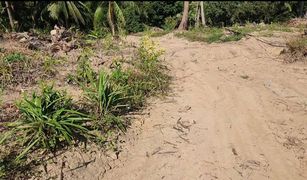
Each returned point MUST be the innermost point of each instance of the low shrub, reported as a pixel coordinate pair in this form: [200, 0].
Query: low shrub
[147, 77]
[170, 23]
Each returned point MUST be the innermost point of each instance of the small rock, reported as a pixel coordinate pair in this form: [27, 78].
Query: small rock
[22, 40]
[53, 32]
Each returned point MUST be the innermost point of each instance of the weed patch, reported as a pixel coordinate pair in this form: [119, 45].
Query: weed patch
[208, 35]
[211, 35]
[84, 72]
[50, 120]
[296, 50]
[14, 57]
[47, 120]
[17, 68]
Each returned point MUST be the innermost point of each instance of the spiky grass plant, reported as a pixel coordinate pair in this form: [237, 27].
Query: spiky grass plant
[107, 100]
[106, 97]
[47, 120]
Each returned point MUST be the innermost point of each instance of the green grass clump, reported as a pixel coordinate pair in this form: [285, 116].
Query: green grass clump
[47, 120]
[106, 101]
[12, 68]
[208, 35]
[159, 33]
[50, 120]
[105, 96]
[84, 72]
[297, 44]
[211, 35]
[297, 50]
[147, 77]
[14, 57]
[50, 65]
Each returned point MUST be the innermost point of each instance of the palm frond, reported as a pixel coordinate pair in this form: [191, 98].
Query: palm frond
[120, 19]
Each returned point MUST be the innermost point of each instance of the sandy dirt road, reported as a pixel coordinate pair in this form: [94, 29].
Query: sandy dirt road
[236, 112]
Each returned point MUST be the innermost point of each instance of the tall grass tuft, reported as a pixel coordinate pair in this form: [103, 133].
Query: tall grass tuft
[105, 96]
[47, 120]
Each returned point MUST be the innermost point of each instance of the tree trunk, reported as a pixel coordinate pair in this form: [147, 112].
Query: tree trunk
[9, 12]
[202, 13]
[111, 17]
[197, 16]
[301, 9]
[184, 21]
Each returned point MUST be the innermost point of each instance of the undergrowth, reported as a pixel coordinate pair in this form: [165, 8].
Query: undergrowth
[17, 68]
[13, 68]
[296, 50]
[211, 35]
[51, 120]
[208, 35]
[47, 120]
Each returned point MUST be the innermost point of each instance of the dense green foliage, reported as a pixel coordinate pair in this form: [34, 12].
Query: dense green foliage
[228, 13]
[134, 16]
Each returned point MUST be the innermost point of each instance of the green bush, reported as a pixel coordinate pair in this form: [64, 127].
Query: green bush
[227, 13]
[133, 19]
[148, 77]
[158, 11]
[170, 23]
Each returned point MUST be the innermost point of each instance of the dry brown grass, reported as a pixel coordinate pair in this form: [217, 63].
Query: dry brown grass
[296, 50]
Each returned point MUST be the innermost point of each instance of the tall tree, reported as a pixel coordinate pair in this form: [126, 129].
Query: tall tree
[301, 8]
[111, 17]
[184, 21]
[202, 13]
[197, 22]
[9, 12]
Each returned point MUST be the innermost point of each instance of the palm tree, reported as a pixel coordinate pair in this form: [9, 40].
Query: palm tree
[10, 14]
[114, 16]
[202, 13]
[68, 10]
[184, 21]
[111, 17]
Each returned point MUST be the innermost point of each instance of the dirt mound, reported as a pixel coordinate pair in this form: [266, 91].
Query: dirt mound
[60, 39]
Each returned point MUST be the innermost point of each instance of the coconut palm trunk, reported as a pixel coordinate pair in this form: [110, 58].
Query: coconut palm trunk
[9, 12]
[202, 13]
[184, 21]
[197, 16]
[111, 17]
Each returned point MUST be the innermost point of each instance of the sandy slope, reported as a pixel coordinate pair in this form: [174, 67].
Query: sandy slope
[237, 113]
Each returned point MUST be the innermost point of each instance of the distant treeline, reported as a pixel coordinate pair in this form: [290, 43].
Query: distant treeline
[136, 16]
